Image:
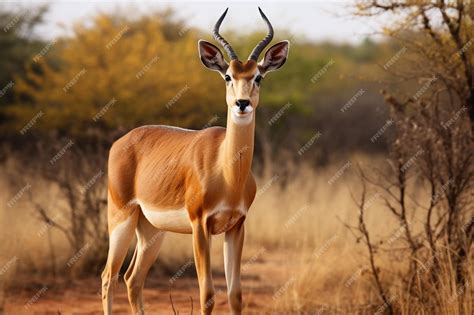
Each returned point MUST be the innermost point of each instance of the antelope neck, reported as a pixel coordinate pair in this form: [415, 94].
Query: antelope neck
[238, 151]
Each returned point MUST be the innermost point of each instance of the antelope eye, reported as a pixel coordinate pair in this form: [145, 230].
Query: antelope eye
[227, 78]
[258, 78]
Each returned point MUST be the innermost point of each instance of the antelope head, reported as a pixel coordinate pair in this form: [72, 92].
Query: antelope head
[243, 79]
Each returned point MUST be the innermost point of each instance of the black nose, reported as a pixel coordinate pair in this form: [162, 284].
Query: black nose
[242, 104]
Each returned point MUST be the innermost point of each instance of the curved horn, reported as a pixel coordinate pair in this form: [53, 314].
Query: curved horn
[227, 47]
[261, 46]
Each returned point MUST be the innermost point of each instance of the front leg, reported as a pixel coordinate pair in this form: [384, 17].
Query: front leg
[233, 244]
[202, 259]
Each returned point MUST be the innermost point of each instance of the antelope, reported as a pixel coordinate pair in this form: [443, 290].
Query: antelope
[167, 179]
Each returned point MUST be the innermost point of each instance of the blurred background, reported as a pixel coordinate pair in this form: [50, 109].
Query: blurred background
[363, 157]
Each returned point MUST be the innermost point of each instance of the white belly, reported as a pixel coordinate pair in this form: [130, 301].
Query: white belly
[221, 219]
[167, 220]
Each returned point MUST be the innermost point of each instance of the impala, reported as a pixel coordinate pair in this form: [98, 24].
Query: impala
[197, 182]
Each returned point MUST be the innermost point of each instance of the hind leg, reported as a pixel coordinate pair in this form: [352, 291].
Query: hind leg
[146, 252]
[122, 222]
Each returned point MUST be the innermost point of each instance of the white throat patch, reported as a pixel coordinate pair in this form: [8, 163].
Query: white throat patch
[240, 118]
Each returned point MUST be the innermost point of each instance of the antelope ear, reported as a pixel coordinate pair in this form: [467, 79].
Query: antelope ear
[211, 57]
[275, 57]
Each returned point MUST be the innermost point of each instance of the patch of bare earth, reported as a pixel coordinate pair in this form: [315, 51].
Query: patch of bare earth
[260, 280]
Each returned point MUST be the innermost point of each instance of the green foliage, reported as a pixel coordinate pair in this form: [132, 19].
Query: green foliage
[18, 45]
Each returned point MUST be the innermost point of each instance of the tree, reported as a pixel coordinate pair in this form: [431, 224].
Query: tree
[431, 145]
[441, 32]
[104, 77]
[19, 45]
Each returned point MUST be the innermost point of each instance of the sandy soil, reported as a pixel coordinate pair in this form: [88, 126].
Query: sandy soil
[260, 281]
